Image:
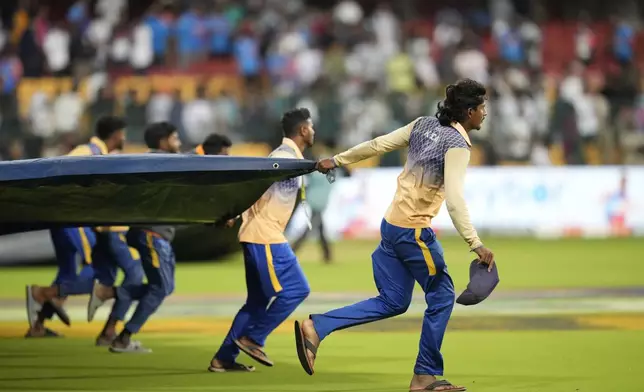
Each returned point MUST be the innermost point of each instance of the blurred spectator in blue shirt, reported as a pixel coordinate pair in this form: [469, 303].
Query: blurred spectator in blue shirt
[220, 29]
[161, 24]
[623, 42]
[78, 14]
[277, 66]
[192, 34]
[510, 44]
[246, 50]
[10, 70]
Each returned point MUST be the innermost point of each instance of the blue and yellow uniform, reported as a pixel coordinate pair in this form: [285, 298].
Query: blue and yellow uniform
[153, 243]
[409, 251]
[272, 270]
[158, 261]
[103, 249]
[157, 258]
[72, 243]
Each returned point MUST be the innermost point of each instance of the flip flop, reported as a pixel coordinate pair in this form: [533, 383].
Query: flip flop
[302, 344]
[105, 341]
[251, 352]
[441, 383]
[48, 334]
[33, 307]
[94, 302]
[60, 312]
[134, 347]
[231, 367]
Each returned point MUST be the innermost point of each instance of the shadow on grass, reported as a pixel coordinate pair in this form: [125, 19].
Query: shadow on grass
[286, 377]
[139, 377]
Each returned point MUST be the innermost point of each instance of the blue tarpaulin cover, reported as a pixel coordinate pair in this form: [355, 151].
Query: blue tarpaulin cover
[134, 189]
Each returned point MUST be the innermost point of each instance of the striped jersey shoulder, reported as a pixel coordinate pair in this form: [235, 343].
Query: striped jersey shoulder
[283, 150]
[288, 185]
[429, 129]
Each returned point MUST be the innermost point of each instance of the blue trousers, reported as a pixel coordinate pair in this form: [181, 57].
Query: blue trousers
[109, 253]
[403, 257]
[70, 246]
[271, 271]
[157, 258]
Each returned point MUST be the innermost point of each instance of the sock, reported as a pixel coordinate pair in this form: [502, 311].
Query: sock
[124, 336]
[46, 313]
[41, 317]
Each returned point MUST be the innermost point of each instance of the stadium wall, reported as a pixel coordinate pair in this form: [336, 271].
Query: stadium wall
[526, 201]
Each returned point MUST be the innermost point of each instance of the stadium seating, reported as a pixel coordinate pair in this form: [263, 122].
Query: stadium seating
[143, 86]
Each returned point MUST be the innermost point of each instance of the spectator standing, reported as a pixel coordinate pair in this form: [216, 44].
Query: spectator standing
[57, 46]
[142, 52]
[68, 110]
[192, 34]
[198, 118]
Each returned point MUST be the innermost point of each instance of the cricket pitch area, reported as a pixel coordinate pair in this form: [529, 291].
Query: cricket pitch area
[567, 316]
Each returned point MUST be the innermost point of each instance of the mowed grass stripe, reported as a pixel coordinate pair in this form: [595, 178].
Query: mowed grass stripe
[483, 361]
[523, 264]
[218, 326]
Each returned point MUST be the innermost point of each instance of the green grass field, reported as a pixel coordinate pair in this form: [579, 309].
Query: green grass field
[523, 264]
[486, 353]
[482, 361]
